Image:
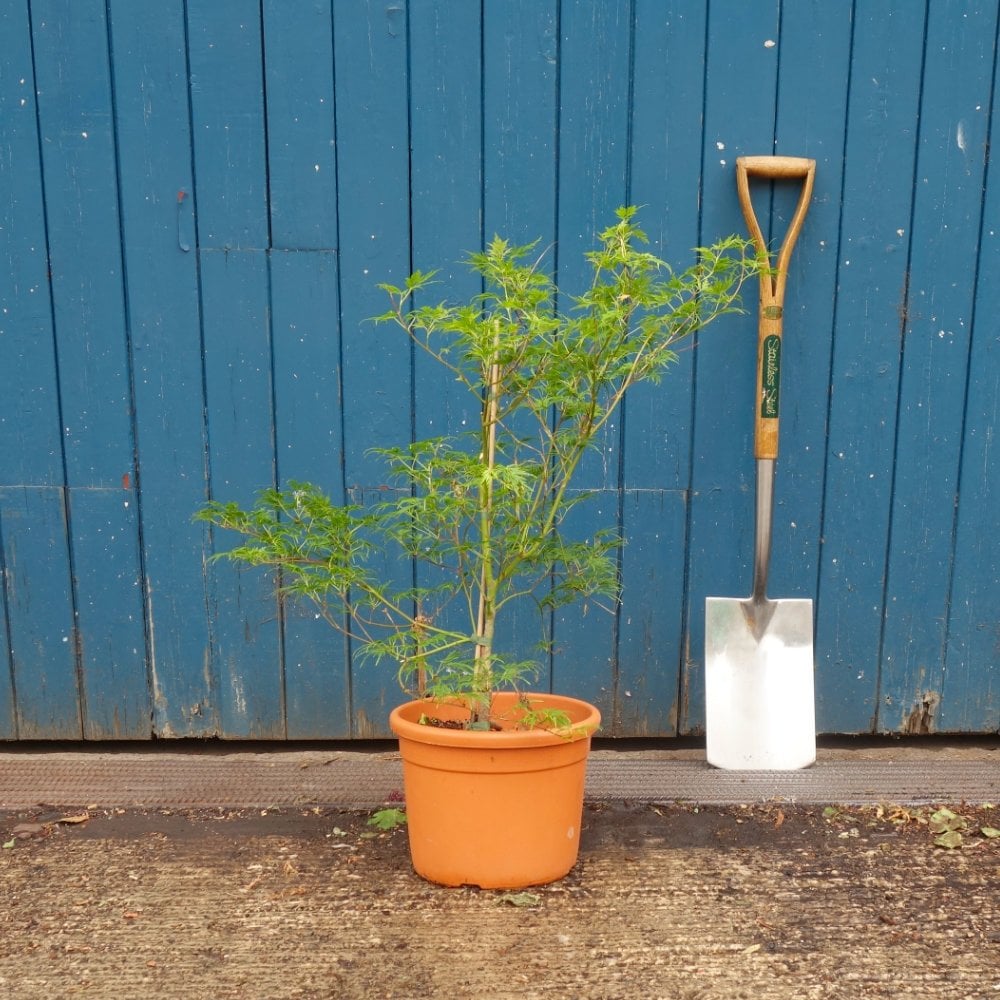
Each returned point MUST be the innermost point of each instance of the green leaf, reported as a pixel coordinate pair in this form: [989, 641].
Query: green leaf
[10, 844]
[989, 831]
[387, 819]
[950, 839]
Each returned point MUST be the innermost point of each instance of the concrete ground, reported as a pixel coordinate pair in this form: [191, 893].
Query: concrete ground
[231, 872]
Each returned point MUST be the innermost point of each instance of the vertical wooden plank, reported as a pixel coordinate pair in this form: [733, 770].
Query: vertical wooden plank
[301, 144]
[8, 708]
[946, 224]
[309, 448]
[237, 353]
[815, 49]
[520, 119]
[302, 170]
[43, 636]
[595, 66]
[370, 53]
[157, 197]
[650, 640]
[872, 266]
[740, 84]
[78, 140]
[594, 86]
[371, 50]
[971, 697]
[665, 158]
[30, 447]
[227, 106]
[77, 134]
[665, 162]
[112, 640]
[520, 167]
[446, 211]
[446, 183]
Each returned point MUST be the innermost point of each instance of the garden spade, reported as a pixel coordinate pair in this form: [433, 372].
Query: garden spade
[759, 705]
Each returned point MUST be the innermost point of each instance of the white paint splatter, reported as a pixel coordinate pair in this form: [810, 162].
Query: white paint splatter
[960, 136]
[770, 44]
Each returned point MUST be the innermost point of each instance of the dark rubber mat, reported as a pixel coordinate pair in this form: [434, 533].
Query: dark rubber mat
[156, 779]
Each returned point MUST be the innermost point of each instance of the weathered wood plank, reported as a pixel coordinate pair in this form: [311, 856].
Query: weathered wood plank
[164, 321]
[373, 140]
[946, 224]
[78, 143]
[8, 706]
[301, 140]
[30, 447]
[308, 446]
[42, 629]
[815, 44]
[446, 163]
[227, 104]
[665, 166]
[651, 616]
[520, 131]
[246, 658]
[970, 699]
[520, 120]
[595, 64]
[815, 47]
[446, 181]
[740, 85]
[84, 236]
[117, 701]
[370, 53]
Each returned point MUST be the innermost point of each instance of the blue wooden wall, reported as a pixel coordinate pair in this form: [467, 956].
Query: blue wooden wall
[198, 198]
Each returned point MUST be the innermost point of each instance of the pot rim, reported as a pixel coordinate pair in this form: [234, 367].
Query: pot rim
[586, 719]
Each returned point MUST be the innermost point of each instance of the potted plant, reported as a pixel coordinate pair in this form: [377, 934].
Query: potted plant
[483, 511]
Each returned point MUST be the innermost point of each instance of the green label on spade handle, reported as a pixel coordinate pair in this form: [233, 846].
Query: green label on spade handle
[770, 377]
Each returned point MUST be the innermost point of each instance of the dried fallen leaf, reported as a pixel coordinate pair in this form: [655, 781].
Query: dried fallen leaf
[81, 818]
[520, 899]
[945, 822]
[751, 949]
[779, 819]
[950, 839]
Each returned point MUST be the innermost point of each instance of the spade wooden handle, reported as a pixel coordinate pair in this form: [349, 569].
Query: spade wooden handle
[772, 286]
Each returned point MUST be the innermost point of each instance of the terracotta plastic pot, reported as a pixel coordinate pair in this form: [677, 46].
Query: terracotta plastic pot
[499, 810]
